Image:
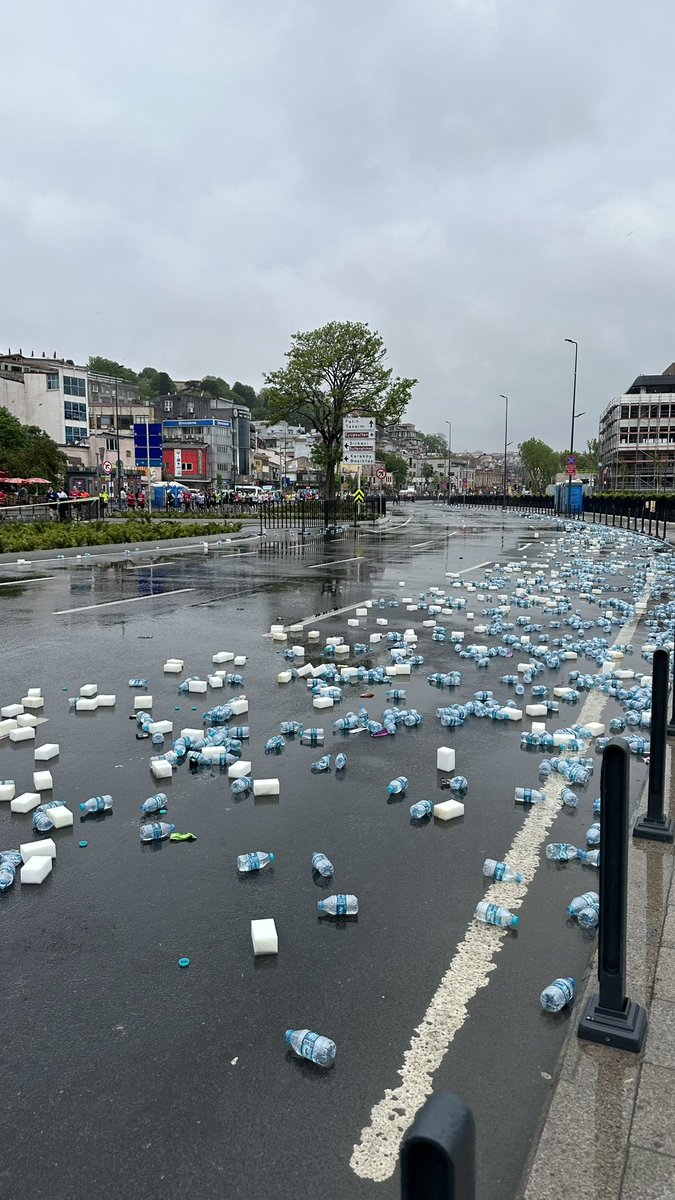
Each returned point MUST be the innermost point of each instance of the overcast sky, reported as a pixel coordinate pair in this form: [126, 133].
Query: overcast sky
[185, 183]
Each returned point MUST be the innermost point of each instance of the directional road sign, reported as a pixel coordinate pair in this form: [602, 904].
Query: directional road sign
[359, 458]
[359, 496]
[148, 444]
[107, 467]
[358, 425]
[358, 441]
[381, 472]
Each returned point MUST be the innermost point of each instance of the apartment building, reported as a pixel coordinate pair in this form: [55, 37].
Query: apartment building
[637, 436]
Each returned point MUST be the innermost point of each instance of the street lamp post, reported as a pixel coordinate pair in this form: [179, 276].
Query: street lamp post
[117, 442]
[574, 415]
[449, 425]
[506, 434]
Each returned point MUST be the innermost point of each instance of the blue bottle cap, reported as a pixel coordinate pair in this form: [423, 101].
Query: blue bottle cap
[183, 962]
[83, 844]
[515, 921]
[273, 857]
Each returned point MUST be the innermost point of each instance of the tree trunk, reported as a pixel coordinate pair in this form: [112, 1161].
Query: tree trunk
[330, 481]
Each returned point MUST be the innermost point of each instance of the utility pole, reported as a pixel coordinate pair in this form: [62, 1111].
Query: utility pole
[119, 460]
[506, 435]
[574, 406]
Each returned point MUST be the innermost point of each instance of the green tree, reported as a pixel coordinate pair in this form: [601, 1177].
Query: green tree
[165, 384]
[332, 372]
[245, 393]
[427, 471]
[213, 385]
[27, 451]
[434, 444]
[540, 463]
[397, 466]
[107, 366]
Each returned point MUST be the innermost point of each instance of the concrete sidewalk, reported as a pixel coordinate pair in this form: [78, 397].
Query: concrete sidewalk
[607, 1134]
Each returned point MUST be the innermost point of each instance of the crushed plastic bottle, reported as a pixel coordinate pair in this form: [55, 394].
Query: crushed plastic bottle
[340, 762]
[318, 1049]
[458, 783]
[423, 808]
[557, 995]
[342, 905]
[7, 875]
[397, 786]
[593, 834]
[586, 900]
[312, 737]
[154, 804]
[495, 914]
[97, 804]
[255, 860]
[530, 796]
[322, 864]
[591, 858]
[569, 798]
[241, 785]
[138, 683]
[274, 745]
[562, 852]
[589, 917]
[290, 728]
[501, 871]
[322, 764]
[157, 831]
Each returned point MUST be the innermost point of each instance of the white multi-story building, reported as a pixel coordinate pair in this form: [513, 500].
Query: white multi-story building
[50, 393]
[637, 436]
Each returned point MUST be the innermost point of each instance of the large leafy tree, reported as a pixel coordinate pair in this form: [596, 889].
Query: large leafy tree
[108, 366]
[434, 444]
[540, 463]
[332, 373]
[397, 466]
[27, 451]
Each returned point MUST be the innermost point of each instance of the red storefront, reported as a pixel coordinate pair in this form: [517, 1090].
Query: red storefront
[185, 463]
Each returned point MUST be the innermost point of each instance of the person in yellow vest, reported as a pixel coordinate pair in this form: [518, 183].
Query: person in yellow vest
[104, 499]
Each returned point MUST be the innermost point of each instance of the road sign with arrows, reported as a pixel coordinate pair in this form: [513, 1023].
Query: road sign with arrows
[359, 496]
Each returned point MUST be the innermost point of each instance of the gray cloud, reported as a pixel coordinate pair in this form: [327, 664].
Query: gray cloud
[187, 184]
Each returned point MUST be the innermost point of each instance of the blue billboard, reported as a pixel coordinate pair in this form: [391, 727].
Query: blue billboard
[148, 444]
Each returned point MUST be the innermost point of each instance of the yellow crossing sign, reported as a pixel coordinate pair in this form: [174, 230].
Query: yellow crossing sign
[359, 496]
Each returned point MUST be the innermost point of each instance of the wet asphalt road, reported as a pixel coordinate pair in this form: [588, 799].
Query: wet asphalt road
[124, 1075]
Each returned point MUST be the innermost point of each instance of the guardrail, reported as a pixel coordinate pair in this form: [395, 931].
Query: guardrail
[88, 509]
[325, 515]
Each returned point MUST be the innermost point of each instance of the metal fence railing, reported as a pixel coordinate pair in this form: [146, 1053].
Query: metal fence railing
[322, 515]
[88, 509]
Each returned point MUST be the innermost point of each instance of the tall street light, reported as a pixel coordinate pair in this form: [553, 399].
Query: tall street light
[574, 416]
[506, 434]
[449, 425]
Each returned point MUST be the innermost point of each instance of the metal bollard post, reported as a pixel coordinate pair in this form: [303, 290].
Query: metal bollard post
[438, 1154]
[610, 1018]
[654, 824]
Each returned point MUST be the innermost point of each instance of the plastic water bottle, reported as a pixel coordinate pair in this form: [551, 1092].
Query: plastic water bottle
[530, 796]
[274, 745]
[557, 995]
[7, 875]
[501, 871]
[561, 852]
[42, 822]
[495, 914]
[587, 900]
[254, 861]
[241, 785]
[96, 804]
[236, 680]
[291, 727]
[423, 808]
[318, 1049]
[589, 917]
[154, 803]
[398, 785]
[322, 864]
[340, 762]
[339, 906]
[158, 739]
[590, 857]
[458, 783]
[569, 798]
[157, 831]
[593, 834]
[239, 731]
[322, 764]
[138, 683]
[312, 737]
[219, 714]
[13, 857]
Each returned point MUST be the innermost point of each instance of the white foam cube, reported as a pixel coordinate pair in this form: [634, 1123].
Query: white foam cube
[213, 753]
[299, 651]
[224, 656]
[11, 710]
[445, 758]
[215, 681]
[511, 714]
[353, 622]
[44, 753]
[562, 739]
[447, 810]
[239, 706]
[375, 637]
[35, 702]
[160, 768]
[7, 789]
[22, 735]
[317, 672]
[239, 660]
[409, 608]
[368, 603]
[349, 672]
[536, 710]
[36, 869]
[86, 704]
[323, 702]
[264, 936]
[25, 803]
[407, 600]
[314, 635]
[265, 787]
[44, 848]
[562, 691]
[539, 727]
[306, 669]
[34, 692]
[106, 701]
[7, 726]
[173, 666]
[456, 635]
[297, 628]
[192, 733]
[60, 816]
[428, 624]
[570, 654]
[362, 612]
[469, 616]
[284, 677]
[42, 781]
[403, 669]
[239, 769]
[342, 651]
[596, 728]
[382, 621]
[160, 727]
[26, 721]
[197, 686]
[279, 637]
[89, 690]
[390, 670]
[143, 702]
[274, 629]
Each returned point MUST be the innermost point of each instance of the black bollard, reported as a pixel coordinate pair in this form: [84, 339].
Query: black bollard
[438, 1154]
[610, 1018]
[654, 824]
[671, 726]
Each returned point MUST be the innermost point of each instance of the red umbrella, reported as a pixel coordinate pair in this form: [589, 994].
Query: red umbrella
[37, 481]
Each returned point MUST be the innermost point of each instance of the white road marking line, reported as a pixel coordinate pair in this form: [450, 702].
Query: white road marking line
[36, 579]
[335, 562]
[62, 612]
[476, 568]
[375, 1156]
[526, 546]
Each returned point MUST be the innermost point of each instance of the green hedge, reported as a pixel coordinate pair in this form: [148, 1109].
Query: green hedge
[644, 495]
[57, 535]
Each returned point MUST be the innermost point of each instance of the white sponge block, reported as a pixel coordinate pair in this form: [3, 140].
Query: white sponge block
[299, 651]
[45, 848]
[42, 781]
[390, 670]
[279, 637]
[538, 727]
[284, 677]
[11, 710]
[322, 702]
[34, 692]
[32, 701]
[173, 666]
[447, 810]
[239, 706]
[297, 628]
[264, 937]
[375, 637]
[89, 690]
[445, 758]
[403, 669]
[60, 816]
[213, 753]
[44, 753]
[36, 869]
[160, 727]
[362, 612]
[596, 728]
[143, 702]
[240, 660]
[197, 685]
[26, 720]
[536, 710]
[381, 621]
[106, 701]
[195, 734]
[25, 734]
[239, 769]
[222, 656]
[353, 621]
[559, 692]
[215, 681]
[7, 726]
[86, 704]
[25, 802]
[314, 635]
[160, 768]
[511, 714]
[265, 787]
[7, 789]
[306, 669]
